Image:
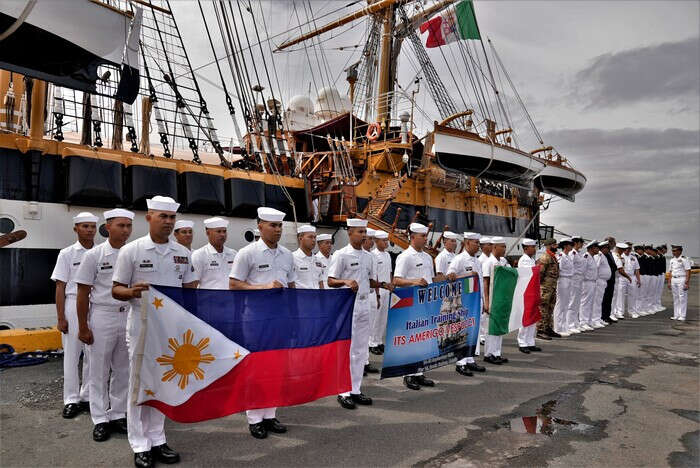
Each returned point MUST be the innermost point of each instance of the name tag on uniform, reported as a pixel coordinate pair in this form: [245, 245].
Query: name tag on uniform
[230, 262]
[146, 264]
[418, 265]
[105, 266]
[264, 267]
[355, 265]
[213, 265]
[76, 263]
[304, 268]
[379, 262]
[181, 260]
[320, 265]
[468, 268]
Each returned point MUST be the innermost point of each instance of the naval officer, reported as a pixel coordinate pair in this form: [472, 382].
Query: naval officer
[368, 245]
[526, 335]
[264, 264]
[566, 272]
[75, 396]
[102, 327]
[493, 344]
[679, 281]
[576, 287]
[323, 256]
[352, 267]
[447, 254]
[308, 274]
[151, 259]
[588, 289]
[486, 246]
[414, 267]
[212, 262]
[184, 232]
[384, 275]
[603, 276]
[622, 280]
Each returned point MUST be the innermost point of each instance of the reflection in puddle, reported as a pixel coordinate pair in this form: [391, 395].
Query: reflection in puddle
[543, 423]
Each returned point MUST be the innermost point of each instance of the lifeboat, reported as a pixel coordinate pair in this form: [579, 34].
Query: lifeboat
[469, 154]
[562, 181]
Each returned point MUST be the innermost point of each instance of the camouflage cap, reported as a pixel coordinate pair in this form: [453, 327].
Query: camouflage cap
[549, 241]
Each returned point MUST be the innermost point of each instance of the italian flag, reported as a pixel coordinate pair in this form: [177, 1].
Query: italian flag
[515, 298]
[453, 25]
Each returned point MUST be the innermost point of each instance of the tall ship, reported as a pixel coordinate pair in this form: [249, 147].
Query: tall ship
[101, 105]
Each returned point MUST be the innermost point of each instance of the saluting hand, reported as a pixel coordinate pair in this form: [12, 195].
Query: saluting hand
[137, 288]
[62, 325]
[86, 336]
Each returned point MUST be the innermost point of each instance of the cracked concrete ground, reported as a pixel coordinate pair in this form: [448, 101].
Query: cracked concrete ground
[625, 395]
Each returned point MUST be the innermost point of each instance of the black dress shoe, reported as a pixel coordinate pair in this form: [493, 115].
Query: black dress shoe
[474, 367]
[165, 454]
[360, 399]
[543, 336]
[375, 350]
[381, 348]
[273, 425]
[464, 370]
[423, 382]
[143, 460]
[84, 406]
[370, 369]
[118, 425]
[258, 430]
[524, 349]
[502, 360]
[536, 349]
[553, 334]
[346, 402]
[411, 382]
[101, 432]
[492, 360]
[71, 410]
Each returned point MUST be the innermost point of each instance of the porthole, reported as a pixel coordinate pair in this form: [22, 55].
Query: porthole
[6, 225]
[103, 231]
[249, 236]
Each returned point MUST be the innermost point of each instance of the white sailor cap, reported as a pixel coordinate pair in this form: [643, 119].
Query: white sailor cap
[161, 203]
[270, 214]
[215, 222]
[621, 245]
[565, 239]
[450, 235]
[604, 244]
[305, 228]
[592, 243]
[485, 240]
[84, 217]
[472, 236]
[370, 232]
[183, 223]
[381, 235]
[356, 222]
[118, 213]
[256, 232]
[323, 237]
[418, 228]
[498, 240]
[528, 242]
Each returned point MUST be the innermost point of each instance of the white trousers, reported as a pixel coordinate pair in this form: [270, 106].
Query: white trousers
[659, 290]
[562, 304]
[493, 345]
[622, 288]
[108, 352]
[73, 391]
[379, 320]
[145, 425]
[526, 335]
[600, 286]
[680, 297]
[588, 293]
[575, 296]
[359, 351]
[642, 294]
[632, 296]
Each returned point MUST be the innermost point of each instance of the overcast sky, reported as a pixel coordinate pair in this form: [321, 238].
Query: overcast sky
[614, 86]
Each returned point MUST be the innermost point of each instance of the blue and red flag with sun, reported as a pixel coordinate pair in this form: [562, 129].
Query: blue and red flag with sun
[204, 354]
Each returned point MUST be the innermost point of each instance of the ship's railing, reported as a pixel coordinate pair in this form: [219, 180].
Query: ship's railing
[402, 110]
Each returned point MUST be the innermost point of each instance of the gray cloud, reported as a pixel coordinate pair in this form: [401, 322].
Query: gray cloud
[666, 71]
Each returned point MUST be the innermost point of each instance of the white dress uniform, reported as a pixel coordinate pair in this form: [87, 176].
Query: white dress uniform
[308, 274]
[461, 265]
[211, 267]
[144, 261]
[604, 273]
[588, 290]
[526, 335]
[643, 297]
[107, 321]
[678, 266]
[634, 287]
[660, 283]
[566, 272]
[493, 343]
[484, 322]
[621, 286]
[576, 291]
[323, 262]
[373, 302]
[67, 263]
[349, 263]
[383, 265]
[256, 264]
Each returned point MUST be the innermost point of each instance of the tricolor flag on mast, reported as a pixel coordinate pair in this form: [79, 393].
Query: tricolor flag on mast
[455, 24]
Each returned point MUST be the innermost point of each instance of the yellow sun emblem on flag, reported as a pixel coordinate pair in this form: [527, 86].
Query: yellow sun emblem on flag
[186, 359]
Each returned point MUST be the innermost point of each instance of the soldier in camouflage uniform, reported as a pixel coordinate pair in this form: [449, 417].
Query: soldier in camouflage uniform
[549, 275]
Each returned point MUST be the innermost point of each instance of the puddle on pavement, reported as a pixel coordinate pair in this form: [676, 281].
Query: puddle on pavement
[543, 422]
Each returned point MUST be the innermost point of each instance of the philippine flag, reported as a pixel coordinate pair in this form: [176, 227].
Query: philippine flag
[204, 354]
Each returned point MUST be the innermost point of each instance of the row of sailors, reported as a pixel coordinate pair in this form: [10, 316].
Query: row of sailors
[96, 289]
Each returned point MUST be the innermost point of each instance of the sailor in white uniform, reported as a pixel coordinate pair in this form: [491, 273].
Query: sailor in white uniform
[526, 335]
[102, 324]
[308, 274]
[623, 281]
[75, 396]
[566, 272]
[212, 262]
[264, 264]
[603, 275]
[463, 265]
[678, 283]
[151, 259]
[323, 256]
[588, 290]
[352, 267]
[414, 267]
[576, 288]
[661, 277]
[486, 246]
[184, 232]
[632, 268]
[493, 345]
[384, 275]
[446, 255]
[367, 246]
